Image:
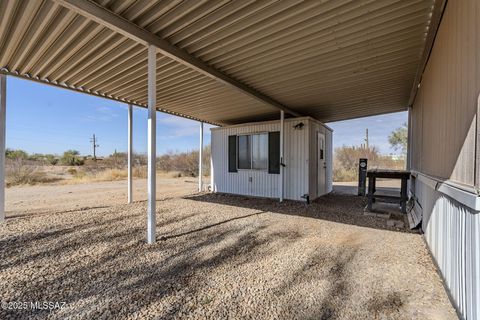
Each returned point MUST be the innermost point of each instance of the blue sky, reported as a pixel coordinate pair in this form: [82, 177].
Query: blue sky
[46, 119]
[352, 132]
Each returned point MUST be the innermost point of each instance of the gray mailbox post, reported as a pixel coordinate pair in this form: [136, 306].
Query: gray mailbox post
[362, 177]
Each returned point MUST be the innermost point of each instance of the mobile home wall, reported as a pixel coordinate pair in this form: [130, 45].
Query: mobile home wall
[443, 153]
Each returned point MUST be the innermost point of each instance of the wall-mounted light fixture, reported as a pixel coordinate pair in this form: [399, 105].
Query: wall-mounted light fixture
[298, 126]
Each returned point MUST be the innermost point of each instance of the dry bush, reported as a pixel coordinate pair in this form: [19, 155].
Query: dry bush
[184, 163]
[90, 175]
[116, 160]
[19, 173]
[139, 172]
[346, 162]
[102, 175]
[111, 175]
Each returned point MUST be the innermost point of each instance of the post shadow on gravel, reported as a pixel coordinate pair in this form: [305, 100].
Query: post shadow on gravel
[335, 207]
[165, 238]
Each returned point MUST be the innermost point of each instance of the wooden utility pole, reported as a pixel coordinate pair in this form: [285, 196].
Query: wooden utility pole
[95, 146]
[366, 139]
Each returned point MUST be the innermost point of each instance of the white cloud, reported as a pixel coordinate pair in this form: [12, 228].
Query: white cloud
[102, 114]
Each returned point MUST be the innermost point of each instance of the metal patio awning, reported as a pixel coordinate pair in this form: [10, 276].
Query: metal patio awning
[227, 62]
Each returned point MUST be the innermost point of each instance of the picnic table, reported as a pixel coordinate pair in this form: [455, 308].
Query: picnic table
[373, 174]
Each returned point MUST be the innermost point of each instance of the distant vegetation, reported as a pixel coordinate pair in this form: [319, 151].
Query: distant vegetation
[345, 164]
[185, 163]
[346, 158]
[72, 158]
[71, 167]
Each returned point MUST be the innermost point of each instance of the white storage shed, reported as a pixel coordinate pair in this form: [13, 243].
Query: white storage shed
[246, 159]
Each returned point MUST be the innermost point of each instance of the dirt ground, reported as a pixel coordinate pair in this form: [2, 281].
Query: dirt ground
[217, 257]
[21, 200]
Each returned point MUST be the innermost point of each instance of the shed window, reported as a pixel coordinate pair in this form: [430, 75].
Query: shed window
[253, 151]
[260, 151]
[245, 152]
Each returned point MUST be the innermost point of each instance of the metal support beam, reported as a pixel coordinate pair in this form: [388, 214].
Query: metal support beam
[200, 160]
[151, 145]
[129, 154]
[103, 16]
[409, 140]
[3, 131]
[476, 167]
[280, 177]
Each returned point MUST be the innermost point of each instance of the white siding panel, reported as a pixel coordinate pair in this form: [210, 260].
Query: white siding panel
[262, 183]
[296, 159]
[452, 232]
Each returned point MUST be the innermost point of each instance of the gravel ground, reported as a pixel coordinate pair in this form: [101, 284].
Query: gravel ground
[218, 257]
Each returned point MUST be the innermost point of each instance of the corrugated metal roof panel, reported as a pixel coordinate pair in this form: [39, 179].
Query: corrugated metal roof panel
[328, 59]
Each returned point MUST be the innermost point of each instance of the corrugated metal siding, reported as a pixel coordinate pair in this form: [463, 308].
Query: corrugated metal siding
[452, 232]
[297, 161]
[313, 163]
[444, 111]
[328, 59]
[417, 133]
[263, 184]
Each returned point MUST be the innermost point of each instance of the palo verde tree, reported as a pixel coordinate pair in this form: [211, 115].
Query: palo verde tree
[71, 158]
[398, 139]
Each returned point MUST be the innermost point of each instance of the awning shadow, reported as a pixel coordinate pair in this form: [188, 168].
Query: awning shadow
[335, 207]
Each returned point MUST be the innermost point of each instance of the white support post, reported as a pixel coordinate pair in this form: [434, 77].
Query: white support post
[212, 180]
[3, 131]
[152, 117]
[280, 178]
[200, 160]
[129, 154]
[409, 140]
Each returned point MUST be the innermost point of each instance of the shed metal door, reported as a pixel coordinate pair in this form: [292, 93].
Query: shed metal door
[321, 164]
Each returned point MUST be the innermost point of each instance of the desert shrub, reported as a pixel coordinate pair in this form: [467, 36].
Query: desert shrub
[71, 158]
[51, 159]
[83, 176]
[111, 175]
[345, 164]
[139, 172]
[116, 160]
[16, 154]
[18, 173]
[184, 163]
